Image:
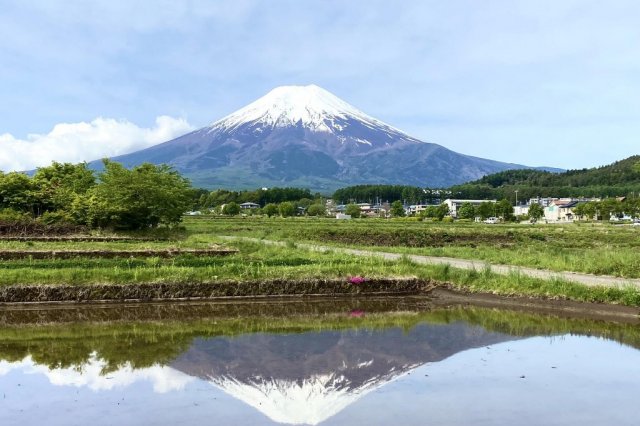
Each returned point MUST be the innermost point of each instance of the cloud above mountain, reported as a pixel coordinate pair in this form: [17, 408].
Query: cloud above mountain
[84, 141]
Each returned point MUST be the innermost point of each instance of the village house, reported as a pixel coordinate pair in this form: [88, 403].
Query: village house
[249, 206]
[560, 210]
[416, 209]
[563, 209]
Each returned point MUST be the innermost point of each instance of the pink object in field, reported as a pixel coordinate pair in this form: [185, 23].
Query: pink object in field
[356, 280]
[356, 313]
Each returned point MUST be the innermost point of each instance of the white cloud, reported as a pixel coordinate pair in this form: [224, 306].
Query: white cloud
[76, 142]
[163, 379]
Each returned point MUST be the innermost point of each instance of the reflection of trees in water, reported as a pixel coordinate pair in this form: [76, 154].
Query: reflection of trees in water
[159, 334]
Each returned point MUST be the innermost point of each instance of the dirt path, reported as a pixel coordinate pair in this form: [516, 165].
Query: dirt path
[478, 265]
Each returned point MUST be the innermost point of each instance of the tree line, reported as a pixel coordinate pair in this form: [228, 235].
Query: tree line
[210, 199]
[608, 208]
[141, 197]
[389, 193]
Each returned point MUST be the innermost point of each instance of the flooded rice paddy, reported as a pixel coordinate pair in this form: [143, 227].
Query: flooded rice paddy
[374, 362]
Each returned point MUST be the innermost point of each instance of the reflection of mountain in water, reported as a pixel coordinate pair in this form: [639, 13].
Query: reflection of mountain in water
[307, 378]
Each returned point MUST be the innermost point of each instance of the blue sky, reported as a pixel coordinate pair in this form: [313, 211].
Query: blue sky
[540, 82]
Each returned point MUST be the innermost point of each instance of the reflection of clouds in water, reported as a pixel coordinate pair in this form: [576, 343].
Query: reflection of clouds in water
[163, 379]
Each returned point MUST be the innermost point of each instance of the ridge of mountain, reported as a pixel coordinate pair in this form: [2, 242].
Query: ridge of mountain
[621, 178]
[305, 136]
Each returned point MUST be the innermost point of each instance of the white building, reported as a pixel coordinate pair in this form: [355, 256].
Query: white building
[249, 206]
[416, 209]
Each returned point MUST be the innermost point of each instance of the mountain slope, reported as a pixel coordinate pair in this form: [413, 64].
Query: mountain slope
[619, 173]
[618, 179]
[305, 136]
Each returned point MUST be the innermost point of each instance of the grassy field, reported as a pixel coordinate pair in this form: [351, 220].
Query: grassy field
[593, 248]
[585, 248]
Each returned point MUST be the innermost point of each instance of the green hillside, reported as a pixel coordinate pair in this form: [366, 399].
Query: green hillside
[621, 178]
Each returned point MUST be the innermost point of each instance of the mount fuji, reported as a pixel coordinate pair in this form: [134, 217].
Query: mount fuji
[305, 136]
[310, 377]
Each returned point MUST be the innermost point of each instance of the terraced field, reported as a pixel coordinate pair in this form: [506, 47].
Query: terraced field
[199, 254]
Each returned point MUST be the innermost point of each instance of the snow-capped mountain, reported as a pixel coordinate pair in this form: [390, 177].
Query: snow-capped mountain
[306, 136]
[308, 378]
[310, 106]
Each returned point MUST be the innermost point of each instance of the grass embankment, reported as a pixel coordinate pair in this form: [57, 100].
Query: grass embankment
[111, 254]
[160, 340]
[260, 263]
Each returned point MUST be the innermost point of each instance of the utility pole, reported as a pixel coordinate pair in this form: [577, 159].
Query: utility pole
[516, 197]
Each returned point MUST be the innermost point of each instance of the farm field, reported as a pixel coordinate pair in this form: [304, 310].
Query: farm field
[591, 248]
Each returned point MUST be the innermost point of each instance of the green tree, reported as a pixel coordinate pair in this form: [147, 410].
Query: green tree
[270, 209]
[353, 210]
[486, 210]
[304, 202]
[441, 211]
[316, 210]
[536, 212]
[429, 212]
[435, 212]
[590, 210]
[231, 209]
[504, 209]
[397, 209]
[287, 209]
[145, 196]
[17, 192]
[57, 185]
[633, 207]
[608, 207]
[467, 211]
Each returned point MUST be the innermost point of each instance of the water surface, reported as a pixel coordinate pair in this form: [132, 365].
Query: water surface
[355, 362]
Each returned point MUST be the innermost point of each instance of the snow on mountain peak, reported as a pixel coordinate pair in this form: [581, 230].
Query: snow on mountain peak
[313, 106]
[309, 401]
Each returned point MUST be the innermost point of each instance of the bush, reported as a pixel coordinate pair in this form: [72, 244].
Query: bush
[57, 217]
[11, 215]
[231, 209]
[352, 210]
[287, 209]
[316, 210]
[270, 210]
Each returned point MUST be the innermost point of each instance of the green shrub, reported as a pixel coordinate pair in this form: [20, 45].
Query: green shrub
[13, 215]
[57, 217]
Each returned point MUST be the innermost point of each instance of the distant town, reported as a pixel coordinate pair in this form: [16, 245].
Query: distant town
[548, 210]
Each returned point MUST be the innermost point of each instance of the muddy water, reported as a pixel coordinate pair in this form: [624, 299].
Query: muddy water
[392, 361]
